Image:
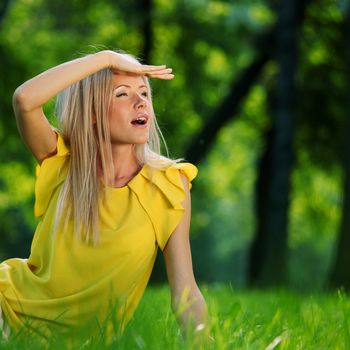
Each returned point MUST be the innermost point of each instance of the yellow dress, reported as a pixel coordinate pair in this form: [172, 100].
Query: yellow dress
[65, 284]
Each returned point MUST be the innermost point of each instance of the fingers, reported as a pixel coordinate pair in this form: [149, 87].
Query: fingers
[146, 68]
[160, 71]
[157, 72]
[161, 76]
[164, 74]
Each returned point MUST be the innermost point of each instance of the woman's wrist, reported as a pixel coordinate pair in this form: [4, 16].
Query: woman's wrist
[105, 57]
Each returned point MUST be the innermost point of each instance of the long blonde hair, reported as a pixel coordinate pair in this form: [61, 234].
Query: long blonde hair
[82, 110]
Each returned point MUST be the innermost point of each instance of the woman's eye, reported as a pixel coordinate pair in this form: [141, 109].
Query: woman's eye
[121, 94]
[145, 94]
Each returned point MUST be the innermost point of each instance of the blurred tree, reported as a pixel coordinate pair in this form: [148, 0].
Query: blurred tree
[340, 274]
[146, 9]
[268, 252]
[3, 9]
[273, 251]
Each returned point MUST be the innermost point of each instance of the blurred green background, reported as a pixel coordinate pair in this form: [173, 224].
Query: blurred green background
[260, 103]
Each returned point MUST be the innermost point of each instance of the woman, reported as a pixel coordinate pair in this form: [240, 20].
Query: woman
[106, 200]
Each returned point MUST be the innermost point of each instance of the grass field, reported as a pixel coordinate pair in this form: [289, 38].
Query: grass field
[238, 320]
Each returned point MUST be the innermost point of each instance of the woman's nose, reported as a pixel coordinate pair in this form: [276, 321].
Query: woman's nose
[141, 102]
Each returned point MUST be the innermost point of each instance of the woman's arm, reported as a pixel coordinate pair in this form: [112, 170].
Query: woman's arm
[29, 98]
[187, 301]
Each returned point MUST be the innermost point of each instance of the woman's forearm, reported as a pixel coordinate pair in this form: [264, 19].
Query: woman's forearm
[37, 91]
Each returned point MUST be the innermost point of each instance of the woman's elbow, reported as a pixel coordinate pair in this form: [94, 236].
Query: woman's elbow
[20, 100]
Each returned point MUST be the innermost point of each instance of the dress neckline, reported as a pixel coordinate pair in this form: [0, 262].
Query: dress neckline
[127, 185]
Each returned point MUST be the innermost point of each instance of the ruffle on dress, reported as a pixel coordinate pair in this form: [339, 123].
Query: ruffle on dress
[163, 199]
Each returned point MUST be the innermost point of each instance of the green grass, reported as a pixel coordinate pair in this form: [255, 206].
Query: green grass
[238, 320]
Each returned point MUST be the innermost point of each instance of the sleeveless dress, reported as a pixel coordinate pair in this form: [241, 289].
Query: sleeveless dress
[66, 284]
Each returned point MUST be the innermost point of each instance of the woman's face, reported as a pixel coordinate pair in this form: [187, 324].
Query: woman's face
[130, 110]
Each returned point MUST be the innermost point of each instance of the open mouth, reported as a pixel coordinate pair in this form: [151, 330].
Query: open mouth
[141, 120]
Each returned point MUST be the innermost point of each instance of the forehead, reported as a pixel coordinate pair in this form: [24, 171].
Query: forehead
[132, 80]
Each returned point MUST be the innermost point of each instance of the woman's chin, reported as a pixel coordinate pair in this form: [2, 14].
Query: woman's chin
[140, 140]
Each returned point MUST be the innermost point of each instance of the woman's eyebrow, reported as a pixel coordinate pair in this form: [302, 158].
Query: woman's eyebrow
[128, 86]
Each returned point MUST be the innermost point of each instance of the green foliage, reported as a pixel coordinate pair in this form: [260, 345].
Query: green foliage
[16, 209]
[322, 83]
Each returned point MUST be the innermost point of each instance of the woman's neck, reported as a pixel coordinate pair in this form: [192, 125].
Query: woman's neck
[125, 165]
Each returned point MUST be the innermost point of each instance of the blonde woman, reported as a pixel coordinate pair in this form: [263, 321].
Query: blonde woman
[106, 200]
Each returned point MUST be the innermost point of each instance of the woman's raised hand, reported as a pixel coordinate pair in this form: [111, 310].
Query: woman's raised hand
[122, 63]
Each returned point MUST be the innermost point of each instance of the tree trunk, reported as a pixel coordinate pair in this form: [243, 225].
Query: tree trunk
[340, 275]
[146, 29]
[259, 244]
[269, 247]
[3, 9]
